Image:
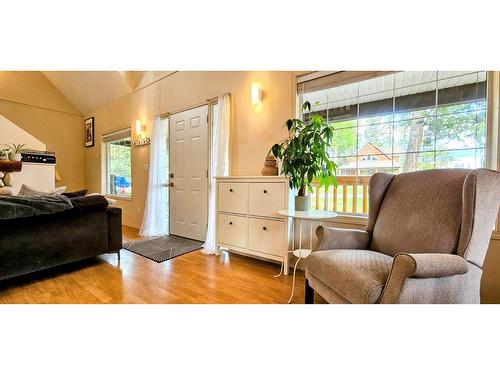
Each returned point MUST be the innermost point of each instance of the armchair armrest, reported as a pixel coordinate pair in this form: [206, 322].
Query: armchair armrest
[338, 238]
[420, 266]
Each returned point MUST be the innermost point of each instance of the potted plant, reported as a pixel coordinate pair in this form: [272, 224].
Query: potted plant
[16, 151]
[304, 155]
[4, 154]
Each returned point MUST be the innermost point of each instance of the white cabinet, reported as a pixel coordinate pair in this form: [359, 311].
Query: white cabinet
[247, 216]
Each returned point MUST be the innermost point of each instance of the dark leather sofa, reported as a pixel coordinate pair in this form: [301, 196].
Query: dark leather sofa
[35, 243]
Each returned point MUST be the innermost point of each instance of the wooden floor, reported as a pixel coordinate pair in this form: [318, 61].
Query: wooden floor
[190, 278]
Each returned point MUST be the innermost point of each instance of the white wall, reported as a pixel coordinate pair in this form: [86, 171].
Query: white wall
[38, 176]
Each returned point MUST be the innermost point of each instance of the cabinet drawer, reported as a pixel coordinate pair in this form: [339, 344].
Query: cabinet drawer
[267, 236]
[266, 198]
[233, 197]
[232, 230]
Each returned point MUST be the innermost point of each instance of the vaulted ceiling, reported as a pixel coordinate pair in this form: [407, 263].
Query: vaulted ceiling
[89, 90]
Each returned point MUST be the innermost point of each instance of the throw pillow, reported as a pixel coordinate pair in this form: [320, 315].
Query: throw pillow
[73, 194]
[27, 191]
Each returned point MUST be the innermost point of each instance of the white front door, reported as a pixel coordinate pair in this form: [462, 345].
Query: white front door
[189, 173]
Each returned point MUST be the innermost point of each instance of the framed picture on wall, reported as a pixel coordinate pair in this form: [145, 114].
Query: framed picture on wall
[88, 132]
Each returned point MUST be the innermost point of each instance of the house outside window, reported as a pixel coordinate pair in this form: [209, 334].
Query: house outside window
[396, 122]
[117, 171]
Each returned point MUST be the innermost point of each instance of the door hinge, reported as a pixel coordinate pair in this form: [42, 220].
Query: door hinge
[207, 172]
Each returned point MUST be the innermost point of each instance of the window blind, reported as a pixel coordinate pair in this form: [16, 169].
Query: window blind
[116, 135]
[324, 80]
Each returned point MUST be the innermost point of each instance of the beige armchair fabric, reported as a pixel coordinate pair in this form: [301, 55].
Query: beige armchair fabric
[425, 241]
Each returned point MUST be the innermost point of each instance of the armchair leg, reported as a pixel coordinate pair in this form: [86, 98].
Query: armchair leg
[309, 294]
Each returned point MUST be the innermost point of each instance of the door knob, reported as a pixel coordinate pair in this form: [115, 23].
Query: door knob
[265, 191]
[171, 184]
[230, 190]
[264, 228]
[230, 223]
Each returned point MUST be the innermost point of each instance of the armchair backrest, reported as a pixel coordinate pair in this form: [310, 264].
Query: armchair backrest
[450, 211]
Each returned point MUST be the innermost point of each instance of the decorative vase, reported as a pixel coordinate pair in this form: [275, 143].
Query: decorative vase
[302, 203]
[270, 168]
[15, 157]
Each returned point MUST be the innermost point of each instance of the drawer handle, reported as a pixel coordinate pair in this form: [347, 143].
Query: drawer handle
[230, 190]
[265, 191]
[264, 228]
[230, 223]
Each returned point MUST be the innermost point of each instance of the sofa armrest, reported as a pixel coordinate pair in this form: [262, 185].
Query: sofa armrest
[338, 238]
[428, 265]
[114, 229]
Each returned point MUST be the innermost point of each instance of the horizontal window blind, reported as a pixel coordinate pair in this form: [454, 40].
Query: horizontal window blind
[116, 135]
[323, 80]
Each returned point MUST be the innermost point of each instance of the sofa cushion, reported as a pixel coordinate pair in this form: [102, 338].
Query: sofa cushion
[73, 194]
[356, 275]
[89, 203]
[421, 213]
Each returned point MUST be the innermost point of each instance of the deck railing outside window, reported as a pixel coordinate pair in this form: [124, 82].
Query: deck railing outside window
[350, 195]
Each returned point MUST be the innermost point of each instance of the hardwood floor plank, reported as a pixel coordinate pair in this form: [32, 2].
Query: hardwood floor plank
[190, 278]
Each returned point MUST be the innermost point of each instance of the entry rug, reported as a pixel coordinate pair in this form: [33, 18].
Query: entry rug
[162, 248]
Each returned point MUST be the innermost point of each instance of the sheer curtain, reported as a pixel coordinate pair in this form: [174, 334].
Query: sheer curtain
[219, 166]
[154, 222]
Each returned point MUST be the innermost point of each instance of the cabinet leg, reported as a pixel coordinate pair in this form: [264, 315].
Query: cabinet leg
[309, 299]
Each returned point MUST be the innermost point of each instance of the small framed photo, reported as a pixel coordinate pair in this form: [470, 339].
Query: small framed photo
[88, 132]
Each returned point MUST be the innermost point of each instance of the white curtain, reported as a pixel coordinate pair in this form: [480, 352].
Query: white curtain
[154, 222]
[219, 166]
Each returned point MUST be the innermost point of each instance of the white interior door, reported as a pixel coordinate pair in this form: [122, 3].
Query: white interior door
[189, 173]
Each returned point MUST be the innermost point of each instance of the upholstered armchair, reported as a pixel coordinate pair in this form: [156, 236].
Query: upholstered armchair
[425, 241]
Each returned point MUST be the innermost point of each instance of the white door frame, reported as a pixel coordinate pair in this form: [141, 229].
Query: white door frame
[209, 103]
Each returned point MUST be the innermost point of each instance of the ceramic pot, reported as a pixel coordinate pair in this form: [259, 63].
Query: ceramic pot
[302, 203]
[15, 157]
[270, 168]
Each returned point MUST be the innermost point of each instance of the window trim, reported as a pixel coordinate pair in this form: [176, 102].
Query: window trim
[105, 139]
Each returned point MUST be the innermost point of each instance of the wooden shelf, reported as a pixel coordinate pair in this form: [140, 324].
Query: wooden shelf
[10, 166]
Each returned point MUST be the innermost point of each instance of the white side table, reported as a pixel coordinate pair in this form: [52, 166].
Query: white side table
[301, 253]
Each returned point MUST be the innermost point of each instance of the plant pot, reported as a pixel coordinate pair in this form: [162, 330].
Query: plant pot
[302, 203]
[15, 157]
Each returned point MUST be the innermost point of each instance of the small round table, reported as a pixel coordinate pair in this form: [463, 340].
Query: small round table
[302, 253]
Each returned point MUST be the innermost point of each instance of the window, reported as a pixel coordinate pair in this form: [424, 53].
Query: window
[397, 122]
[118, 168]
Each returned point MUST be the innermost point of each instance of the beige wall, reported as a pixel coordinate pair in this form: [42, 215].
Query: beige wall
[30, 101]
[253, 131]
[122, 113]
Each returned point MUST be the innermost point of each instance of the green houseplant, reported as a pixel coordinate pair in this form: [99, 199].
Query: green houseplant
[4, 154]
[304, 155]
[16, 151]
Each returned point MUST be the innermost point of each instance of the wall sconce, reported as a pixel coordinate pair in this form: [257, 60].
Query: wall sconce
[140, 139]
[138, 128]
[256, 94]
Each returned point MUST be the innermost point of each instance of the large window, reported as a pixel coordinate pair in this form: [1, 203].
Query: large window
[118, 170]
[397, 122]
